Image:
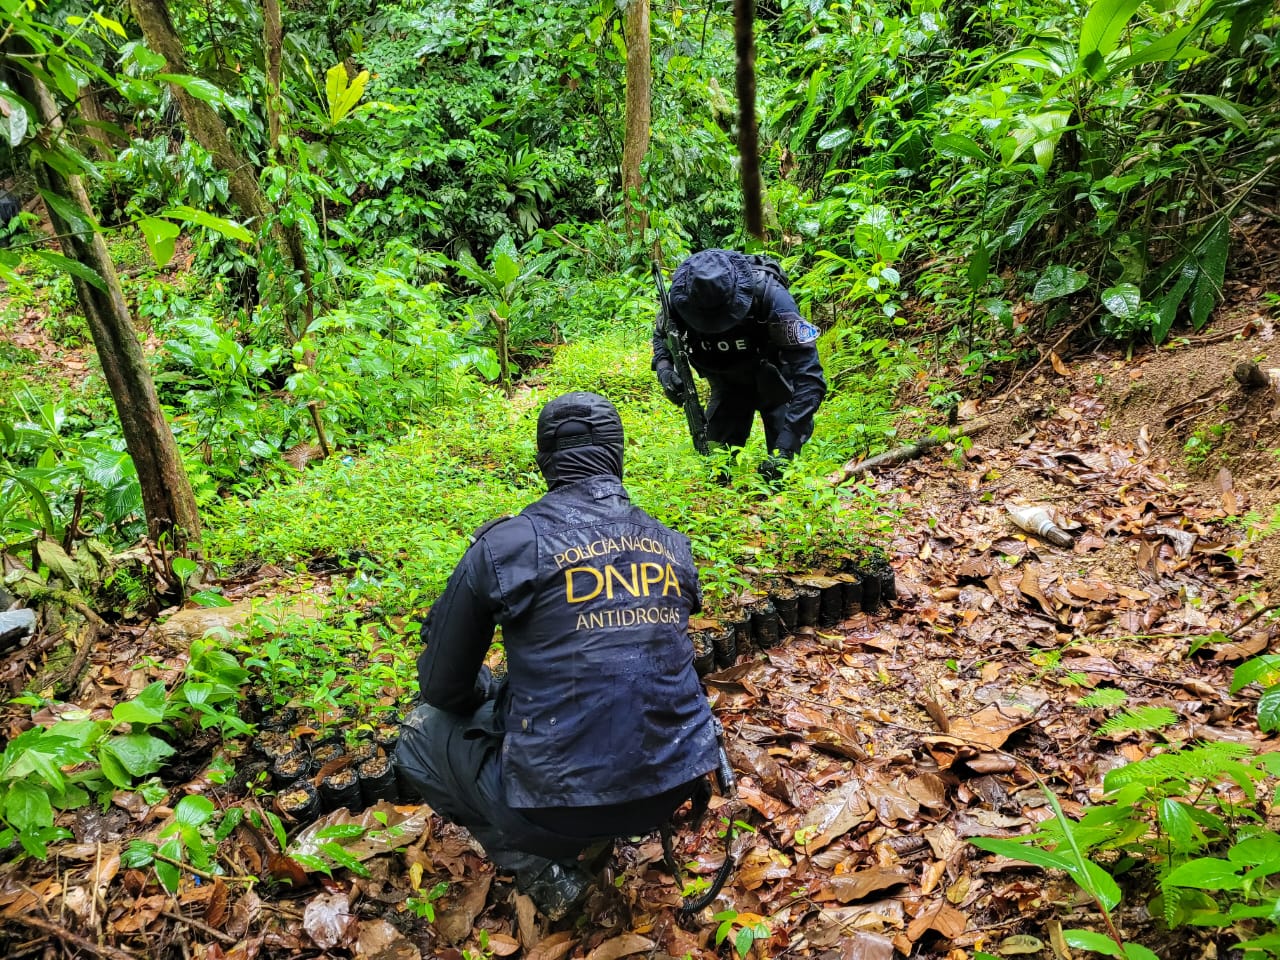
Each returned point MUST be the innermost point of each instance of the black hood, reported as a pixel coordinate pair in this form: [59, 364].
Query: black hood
[579, 436]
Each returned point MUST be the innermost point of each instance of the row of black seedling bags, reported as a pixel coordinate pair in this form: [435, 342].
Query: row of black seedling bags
[315, 774]
[789, 604]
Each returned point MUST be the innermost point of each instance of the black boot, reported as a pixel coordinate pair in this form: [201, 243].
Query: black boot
[555, 889]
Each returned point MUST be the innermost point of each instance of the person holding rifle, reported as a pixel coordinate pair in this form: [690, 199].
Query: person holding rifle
[744, 334]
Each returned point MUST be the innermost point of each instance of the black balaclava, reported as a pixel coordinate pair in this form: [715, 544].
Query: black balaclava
[579, 436]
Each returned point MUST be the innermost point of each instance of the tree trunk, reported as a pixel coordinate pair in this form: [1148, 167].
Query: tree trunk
[167, 499]
[639, 93]
[210, 132]
[744, 26]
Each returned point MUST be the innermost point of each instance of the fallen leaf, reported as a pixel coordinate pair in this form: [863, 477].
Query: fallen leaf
[502, 945]
[379, 940]
[989, 727]
[942, 917]
[849, 887]
[1226, 487]
[403, 825]
[555, 946]
[835, 816]
[215, 911]
[932, 876]
[328, 920]
[1060, 368]
[527, 922]
[1019, 943]
[457, 910]
[621, 946]
[866, 946]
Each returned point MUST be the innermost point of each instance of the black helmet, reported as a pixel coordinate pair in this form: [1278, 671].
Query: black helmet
[712, 290]
[579, 436]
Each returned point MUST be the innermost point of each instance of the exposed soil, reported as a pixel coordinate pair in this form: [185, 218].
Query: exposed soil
[868, 752]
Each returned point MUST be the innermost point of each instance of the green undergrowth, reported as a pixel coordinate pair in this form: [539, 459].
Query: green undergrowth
[412, 504]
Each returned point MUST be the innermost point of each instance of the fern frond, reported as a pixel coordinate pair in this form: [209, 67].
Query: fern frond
[1139, 718]
[1106, 697]
[1208, 761]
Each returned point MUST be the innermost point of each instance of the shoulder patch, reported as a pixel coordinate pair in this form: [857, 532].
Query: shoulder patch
[792, 330]
[484, 528]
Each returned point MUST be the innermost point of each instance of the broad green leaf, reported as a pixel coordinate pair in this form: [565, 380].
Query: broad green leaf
[1206, 873]
[169, 874]
[138, 753]
[353, 94]
[1252, 671]
[198, 88]
[67, 75]
[193, 811]
[230, 820]
[1027, 57]
[1015, 850]
[27, 806]
[1058, 281]
[147, 707]
[505, 268]
[184, 567]
[1227, 110]
[1122, 300]
[1091, 940]
[1177, 823]
[108, 24]
[73, 267]
[310, 863]
[1136, 951]
[75, 220]
[979, 264]
[228, 228]
[146, 60]
[1269, 709]
[1213, 266]
[160, 236]
[958, 145]
[1101, 30]
[1169, 304]
[743, 941]
[210, 598]
[1041, 133]
[833, 139]
[17, 124]
[114, 770]
[340, 831]
[1256, 851]
[1169, 48]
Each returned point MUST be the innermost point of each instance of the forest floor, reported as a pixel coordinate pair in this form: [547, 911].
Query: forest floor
[868, 752]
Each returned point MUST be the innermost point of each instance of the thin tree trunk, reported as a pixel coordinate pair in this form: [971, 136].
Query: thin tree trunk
[210, 132]
[638, 97]
[167, 499]
[744, 24]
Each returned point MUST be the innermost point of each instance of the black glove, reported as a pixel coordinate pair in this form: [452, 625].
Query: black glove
[671, 383]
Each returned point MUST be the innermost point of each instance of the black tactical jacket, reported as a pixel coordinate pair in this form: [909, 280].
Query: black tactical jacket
[773, 331]
[593, 596]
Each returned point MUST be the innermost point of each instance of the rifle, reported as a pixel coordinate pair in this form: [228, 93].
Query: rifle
[680, 356]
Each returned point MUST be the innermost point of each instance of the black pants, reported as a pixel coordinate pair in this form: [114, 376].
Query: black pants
[731, 410]
[453, 761]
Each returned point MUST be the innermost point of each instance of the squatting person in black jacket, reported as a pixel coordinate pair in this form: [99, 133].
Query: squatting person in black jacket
[744, 334]
[600, 728]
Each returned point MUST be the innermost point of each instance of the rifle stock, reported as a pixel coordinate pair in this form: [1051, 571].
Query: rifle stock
[693, 414]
